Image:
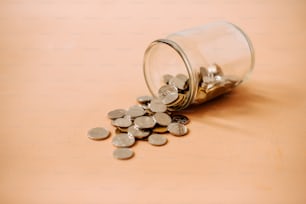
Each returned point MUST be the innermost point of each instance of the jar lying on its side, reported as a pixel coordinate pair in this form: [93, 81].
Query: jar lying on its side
[195, 65]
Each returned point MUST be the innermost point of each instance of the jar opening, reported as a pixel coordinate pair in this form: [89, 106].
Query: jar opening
[165, 57]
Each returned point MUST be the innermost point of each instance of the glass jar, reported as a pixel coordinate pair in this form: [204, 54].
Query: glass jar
[211, 60]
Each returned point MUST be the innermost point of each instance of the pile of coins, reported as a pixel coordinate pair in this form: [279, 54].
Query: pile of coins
[211, 83]
[147, 121]
[153, 117]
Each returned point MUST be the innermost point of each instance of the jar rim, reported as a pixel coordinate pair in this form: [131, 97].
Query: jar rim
[187, 64]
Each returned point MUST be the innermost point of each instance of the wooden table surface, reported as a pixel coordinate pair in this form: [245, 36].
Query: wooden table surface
[65, 63]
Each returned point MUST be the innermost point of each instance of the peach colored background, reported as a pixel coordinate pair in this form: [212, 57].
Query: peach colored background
[65, 63]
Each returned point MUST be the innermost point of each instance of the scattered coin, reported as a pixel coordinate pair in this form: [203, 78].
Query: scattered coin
[162, 119]
[98, 133]
[122, 122]
[144, 99]
[144, 122]
[168, 94]
[137, 133]
[123, 153]
[123, 140]
[118, 113]
[157, 139]
[180, 119]
[177, 129]
[160, 129]
[135, 111]
[157, 106]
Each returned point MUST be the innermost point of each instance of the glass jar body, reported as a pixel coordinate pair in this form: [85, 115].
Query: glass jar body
[215, 58]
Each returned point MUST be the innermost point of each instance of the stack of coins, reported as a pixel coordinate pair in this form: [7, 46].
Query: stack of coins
[211, 83]
[149, 121]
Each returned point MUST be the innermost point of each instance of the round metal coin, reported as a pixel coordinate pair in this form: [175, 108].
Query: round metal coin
[168, 94]
[157, 139]
[144, 99]
[118, 113]
[98, 133]
[137, 133]
[123, 140]
[157, 106]
[180, 119]
[162, 119]
[177, 129]
[123, 153]
[144, 122]
[135, 111]
[122, 122]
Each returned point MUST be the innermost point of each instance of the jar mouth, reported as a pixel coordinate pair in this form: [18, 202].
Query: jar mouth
[182, 55]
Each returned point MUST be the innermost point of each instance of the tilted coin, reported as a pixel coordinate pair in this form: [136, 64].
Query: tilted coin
[166, 78]
[123, 140]
[162, 119]
[135, 111]
[157, 139]
[182, 76]
[177, 129]
[123, 153]
[215, 69]
[203, 72]
[168, 94]
[137, 133]
[178, 83]
[122, 122]
[123, 130]
[160, 129]
[182, 119]
[98, 133]
[157, 106]
[144, 99]
[117, 113]
[144, 122]
[179, 101]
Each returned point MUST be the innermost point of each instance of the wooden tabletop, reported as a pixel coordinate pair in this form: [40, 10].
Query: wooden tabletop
[65, 63]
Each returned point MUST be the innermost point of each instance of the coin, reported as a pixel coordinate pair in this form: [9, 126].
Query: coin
[157, 139]
[168, 94]
[178, 83]
[160, 129]
[166, 78]
[177, 129]
[162, 119]
[98, 133]
[144, 122]
[157, 106]
[117, 113]
[135, 111]
[123, 140]
[144, 99]
[180, 119]
[182, 76]
[122, 122]
[215, 69]
[137, 133]
[123, 153]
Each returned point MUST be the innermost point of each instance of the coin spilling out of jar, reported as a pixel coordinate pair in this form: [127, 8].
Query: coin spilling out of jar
[187, 67]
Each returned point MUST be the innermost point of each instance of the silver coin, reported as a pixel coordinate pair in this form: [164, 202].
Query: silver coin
[182, 76]
[123, 140]
[177, 129]
[166, 78]
[215, 70]
[118, 113]
[180, 119]
[157, 105]
[168, 94]
[203, 72]
[137, 133]
[162, 119]
[122, 122]
[178, 83]
[123, 153]
[144, 122]
[135, 111]
[144, 99]
[98, 133]
[157, 139]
